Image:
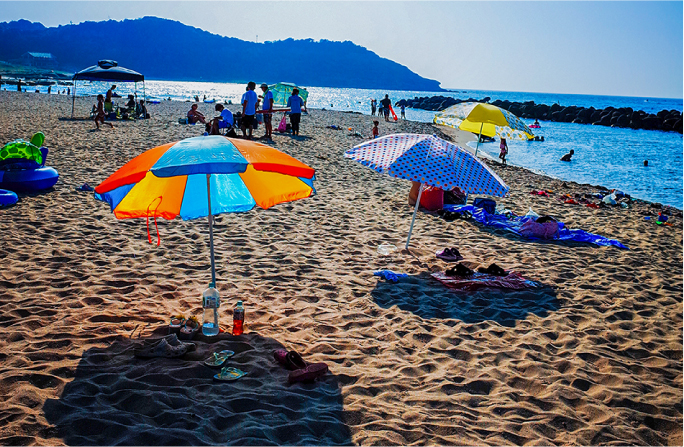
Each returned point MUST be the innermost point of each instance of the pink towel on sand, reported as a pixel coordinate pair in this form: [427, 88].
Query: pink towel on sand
[479, 280]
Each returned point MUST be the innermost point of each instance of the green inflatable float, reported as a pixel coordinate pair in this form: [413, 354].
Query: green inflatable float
[22, 165]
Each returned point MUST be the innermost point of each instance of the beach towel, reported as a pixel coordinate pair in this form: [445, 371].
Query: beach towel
[477, 281]
[514, 224]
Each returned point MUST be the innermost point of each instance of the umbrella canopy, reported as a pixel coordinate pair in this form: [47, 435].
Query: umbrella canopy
[484, 119]
[205, 176]
[283, 90]
[429, 160]
[108, 71]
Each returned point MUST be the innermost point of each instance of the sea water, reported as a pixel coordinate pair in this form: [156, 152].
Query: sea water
[606, 156]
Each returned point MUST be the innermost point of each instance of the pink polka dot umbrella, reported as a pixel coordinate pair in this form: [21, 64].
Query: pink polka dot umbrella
[428, 160]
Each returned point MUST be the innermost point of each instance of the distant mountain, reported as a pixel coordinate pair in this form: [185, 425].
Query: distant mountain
[170, 50]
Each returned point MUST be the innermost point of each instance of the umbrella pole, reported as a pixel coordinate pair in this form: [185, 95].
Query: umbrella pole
[211, 232]
[479, 137]
[415, 211]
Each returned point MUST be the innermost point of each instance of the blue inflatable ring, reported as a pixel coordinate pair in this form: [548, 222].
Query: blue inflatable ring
[29, 179]
[7, 198]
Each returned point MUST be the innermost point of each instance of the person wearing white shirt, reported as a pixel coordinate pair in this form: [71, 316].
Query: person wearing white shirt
[249, 103]
[295, 103]
[267, 108]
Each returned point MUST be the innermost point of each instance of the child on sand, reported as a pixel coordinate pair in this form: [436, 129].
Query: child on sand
[504, 150]
[100, 117]
[376, 131]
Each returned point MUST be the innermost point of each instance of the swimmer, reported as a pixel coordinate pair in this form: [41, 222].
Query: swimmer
[567, 157]
[646, 163]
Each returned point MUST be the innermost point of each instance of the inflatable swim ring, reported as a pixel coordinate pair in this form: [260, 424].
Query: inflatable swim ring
[209, 101]
[7, 198]
[154, 101]
[29, 179]
[534, 126]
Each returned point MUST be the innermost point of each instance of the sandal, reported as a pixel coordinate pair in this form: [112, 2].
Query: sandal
[290, 360]
[218, 358]
[165, 349]
[449, 255]
[493, 269]
[228, 374]
[308, 374]
[176, 323]
[189, 329]
[460, 270]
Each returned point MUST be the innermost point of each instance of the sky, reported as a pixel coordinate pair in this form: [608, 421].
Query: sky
[594, 48]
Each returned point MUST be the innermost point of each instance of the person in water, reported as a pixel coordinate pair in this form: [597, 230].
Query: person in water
[536, 122]
[504, 150]
[568, 157]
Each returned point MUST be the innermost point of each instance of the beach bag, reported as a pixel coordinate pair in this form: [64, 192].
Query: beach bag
[488, 205]
[432, 198]
[282, 127]
[455, 197]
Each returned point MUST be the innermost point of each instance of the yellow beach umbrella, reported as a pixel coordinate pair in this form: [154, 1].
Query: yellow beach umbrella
[484, 119]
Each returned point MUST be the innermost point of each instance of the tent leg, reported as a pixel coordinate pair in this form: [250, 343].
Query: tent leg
[73, 100]
[415, 211]
[211, 232]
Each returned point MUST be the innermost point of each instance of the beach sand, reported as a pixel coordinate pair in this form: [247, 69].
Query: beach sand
[593, 357]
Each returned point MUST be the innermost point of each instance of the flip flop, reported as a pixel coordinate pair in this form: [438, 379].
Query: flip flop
[493, 269]
[229, 374]
[218, 358]
[449, 254]
[308, 374]
[189, 329]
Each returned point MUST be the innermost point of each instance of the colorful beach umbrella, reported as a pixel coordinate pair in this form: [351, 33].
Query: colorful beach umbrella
[484, 119]
[283, 90]
[428, 160]
[205, 176]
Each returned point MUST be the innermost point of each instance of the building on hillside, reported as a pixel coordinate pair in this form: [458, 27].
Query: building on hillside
[38, 60]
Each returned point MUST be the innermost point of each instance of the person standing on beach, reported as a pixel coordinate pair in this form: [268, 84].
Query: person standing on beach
[50, 89]
[386, 103]
[372, 107]
[376, 130]
[249, 102]
[504, 150]
[100, 117]
[295, 104]
[267, 107]
[108, 99]
[403, 111]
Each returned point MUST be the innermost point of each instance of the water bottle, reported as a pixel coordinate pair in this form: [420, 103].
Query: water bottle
[210, 303]
[238, 318]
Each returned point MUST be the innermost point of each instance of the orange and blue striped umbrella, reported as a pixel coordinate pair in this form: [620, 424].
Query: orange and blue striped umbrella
[205, 176]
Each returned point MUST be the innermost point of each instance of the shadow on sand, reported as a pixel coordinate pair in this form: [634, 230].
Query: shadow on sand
[429, 299]
[116, 398]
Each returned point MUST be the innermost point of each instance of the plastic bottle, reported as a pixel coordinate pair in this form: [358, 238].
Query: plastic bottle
[210, 303]
[238, 318]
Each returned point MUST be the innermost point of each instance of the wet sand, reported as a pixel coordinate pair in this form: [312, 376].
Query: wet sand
[592, 358]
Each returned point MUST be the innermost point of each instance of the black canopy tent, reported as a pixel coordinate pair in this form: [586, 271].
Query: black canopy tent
[107, 70]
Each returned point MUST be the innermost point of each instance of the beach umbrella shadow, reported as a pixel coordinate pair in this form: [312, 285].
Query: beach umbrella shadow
[426, 297]
[118, 399]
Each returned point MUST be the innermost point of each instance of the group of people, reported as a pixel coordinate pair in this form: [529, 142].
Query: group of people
[385, 108]
[105, 106]
[248, 117]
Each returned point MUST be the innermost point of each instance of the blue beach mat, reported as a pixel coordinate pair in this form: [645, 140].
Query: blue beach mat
[515, 223]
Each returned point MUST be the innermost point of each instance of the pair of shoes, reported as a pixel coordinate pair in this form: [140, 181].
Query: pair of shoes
[449, 254]
[460, 270]
[219, 358]
[176, 323]
[167, 347]
[301, 371]
[189, 329]
[85, 187]
[493, 269]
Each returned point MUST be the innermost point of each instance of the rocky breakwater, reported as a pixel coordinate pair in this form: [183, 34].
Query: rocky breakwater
[667, 120]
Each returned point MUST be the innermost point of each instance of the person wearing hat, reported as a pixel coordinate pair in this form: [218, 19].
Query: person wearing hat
[267, 108]
[249, 103]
